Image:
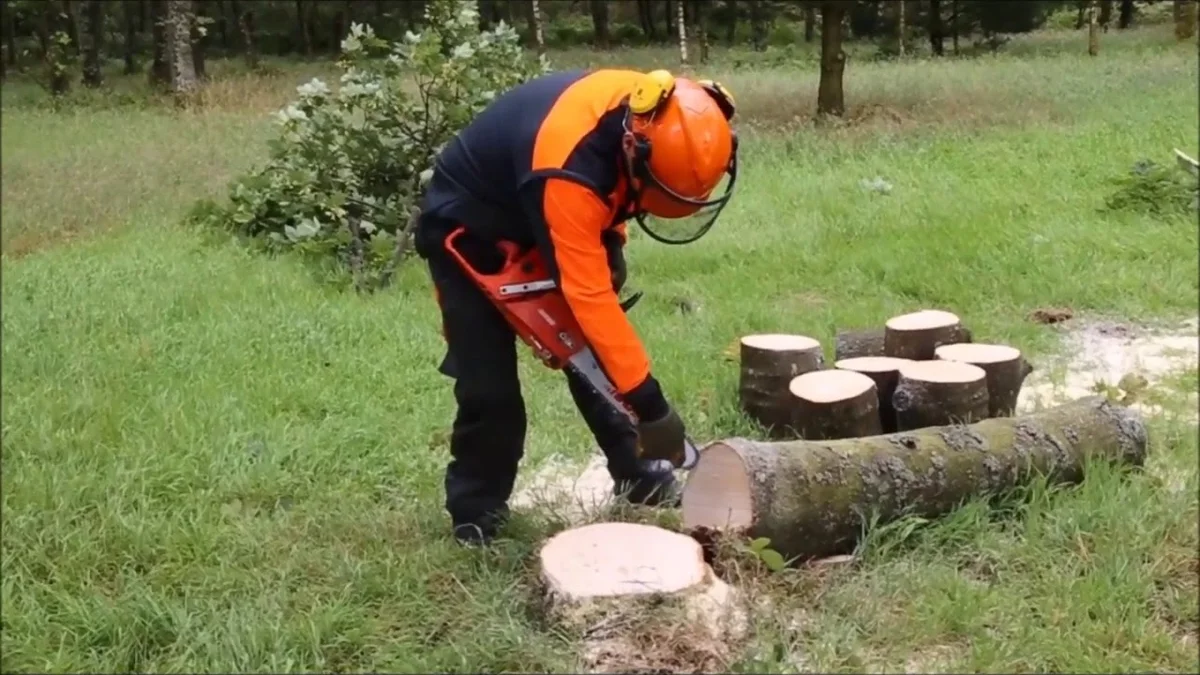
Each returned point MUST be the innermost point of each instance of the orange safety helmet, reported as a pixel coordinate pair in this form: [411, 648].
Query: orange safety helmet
[681, 147]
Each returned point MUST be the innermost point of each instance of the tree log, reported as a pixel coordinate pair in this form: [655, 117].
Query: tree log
[933, 393]
[1006, 371]
[832, 404]
[850, 344]
[915, 336]
[885, 372]
[621, 585]
[812, 499]
[768, 364]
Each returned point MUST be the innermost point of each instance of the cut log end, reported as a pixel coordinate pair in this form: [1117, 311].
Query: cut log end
[620, 559]
[915, 336]
[719, 489]
[942, 372]
[830, 386]
[926, 319]
[779, 342]
[835, 404]
[1005, 367]
[871, 364]
[977, 353]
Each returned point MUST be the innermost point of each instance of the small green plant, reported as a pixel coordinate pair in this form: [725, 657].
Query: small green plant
[348, 166]
[760, 548]
[1152, 188]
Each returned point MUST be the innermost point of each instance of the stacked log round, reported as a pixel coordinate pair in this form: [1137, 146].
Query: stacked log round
[851, 344]
[936, 393]
[831, 404]
[1005, 368]
[915, 336]
[813, 499]
[769, 362]
[885, 372]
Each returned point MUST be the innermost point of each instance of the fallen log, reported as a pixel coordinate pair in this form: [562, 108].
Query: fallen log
[832, 404]
[768, 363]
[850, 344]
[812, 499]
[933, 393]
[1006, 371]
[915, 336]
[621, 585]
[885, 372]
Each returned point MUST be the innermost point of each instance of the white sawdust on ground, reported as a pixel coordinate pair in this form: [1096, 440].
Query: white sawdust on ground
[1092, 351]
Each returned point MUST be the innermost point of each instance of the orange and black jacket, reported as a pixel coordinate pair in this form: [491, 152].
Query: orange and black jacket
[541, 166]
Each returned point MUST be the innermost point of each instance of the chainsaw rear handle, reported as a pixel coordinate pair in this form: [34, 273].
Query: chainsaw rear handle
[512, 253]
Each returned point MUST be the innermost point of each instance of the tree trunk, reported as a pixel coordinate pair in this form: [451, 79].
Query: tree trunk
[600, 23]
[223, 25]
[831, 98]
[682, 24]
[814, 499]
[1081, 14]
[768, 365]
[72, 25]
[1105, 13]
[92, 77]
[246, 27]
[646, 18]
[131, 9]
[303, 37]
[1093, 30]
[954, 24]
[915, 336]
[160, 72]
[885, 372]
[1006, 371]
[178, 31]
[731, 26]
[55, 56]
[758, 26]
[10, 33]
[700, 29]
[937, 32]
[539, 32]
[1184, 12]
[199, 44]
[900, 25]
[1125, 15]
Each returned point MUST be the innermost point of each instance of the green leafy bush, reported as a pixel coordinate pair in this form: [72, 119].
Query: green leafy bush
[1152, 188]
[347, 169]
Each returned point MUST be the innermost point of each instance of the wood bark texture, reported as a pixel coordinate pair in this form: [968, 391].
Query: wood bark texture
[812, 499]
[178, 27]
[1004, 366]
[885, 372]
[935, 393]
[833, 404]
[769, 363]
[915, 336]
[850, 344]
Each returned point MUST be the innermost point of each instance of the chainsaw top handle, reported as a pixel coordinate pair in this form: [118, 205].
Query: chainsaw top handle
[512, 252]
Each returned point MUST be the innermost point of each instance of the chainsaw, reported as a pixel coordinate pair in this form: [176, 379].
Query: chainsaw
[529, 299]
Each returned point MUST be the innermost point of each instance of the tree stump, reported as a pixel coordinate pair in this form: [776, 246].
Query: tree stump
[626, 586]
[935, 393]
[813, 499]
[768, 363]
[885, 372]
[1005, 368]
[915, 336]
[830, 404]
[850, 344]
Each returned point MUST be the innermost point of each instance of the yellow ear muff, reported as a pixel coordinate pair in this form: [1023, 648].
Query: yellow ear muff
[724, 99]
[651, 92]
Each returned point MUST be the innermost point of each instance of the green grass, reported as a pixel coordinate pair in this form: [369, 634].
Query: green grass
[212, 462]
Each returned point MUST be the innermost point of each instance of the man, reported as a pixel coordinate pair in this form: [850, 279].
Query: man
[560, 163]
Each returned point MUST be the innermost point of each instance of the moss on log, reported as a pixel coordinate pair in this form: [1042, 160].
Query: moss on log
[813, 498]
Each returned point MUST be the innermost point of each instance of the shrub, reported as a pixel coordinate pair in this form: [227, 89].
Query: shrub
[347, 169]
[1152, 188]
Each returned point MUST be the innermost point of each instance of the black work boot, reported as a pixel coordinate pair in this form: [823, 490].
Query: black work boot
[652, 484]
[481, 531]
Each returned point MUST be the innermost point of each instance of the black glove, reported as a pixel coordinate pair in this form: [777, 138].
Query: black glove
[616, 257]
[661, 434]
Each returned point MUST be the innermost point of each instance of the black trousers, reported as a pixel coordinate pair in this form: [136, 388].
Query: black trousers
[488, 437]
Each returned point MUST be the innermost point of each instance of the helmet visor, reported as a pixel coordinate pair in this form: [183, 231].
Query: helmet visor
[700, 215]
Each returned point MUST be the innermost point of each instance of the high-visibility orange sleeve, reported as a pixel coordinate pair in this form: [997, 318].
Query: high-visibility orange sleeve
[575, 216]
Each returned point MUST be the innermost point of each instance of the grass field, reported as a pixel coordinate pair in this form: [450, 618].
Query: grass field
[214, 463]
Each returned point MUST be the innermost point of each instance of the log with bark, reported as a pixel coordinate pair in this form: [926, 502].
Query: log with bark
[852, 344]
[769, 362]
[832, 404]
[915, 336]
[933, 393]
[885, 372]
[812, 499]
[1006, 371]
[620, 585]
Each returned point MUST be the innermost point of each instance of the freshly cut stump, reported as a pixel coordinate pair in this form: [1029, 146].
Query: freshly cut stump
[832, 404]
[812, 499]
[1005, 367]
[769, 363]
[623, 585]
[885, 372]
[933, 393]
[850, 344]
[915, 336]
